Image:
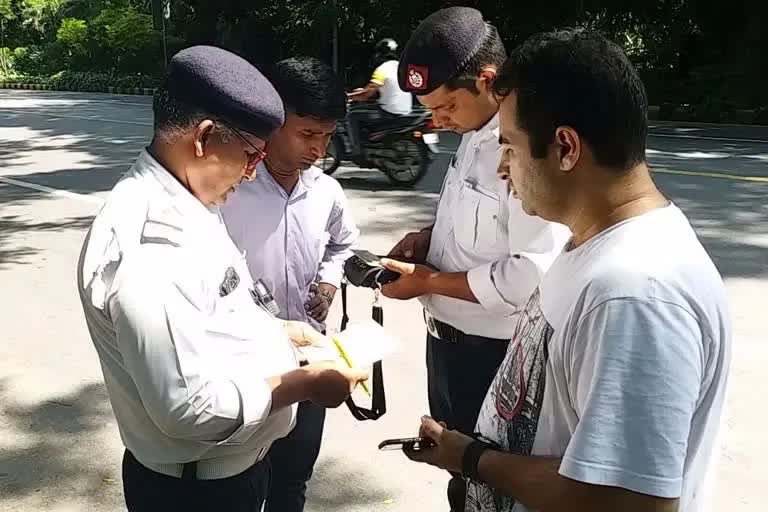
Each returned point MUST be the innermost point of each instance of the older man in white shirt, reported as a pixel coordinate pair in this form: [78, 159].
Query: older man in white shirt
[293, 224]
[489, 253]
[201, 377]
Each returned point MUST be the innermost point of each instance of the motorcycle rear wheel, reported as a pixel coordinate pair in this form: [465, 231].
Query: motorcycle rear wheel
[413, 159]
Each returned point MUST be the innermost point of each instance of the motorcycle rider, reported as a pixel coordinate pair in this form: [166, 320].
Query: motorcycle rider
[392, 101]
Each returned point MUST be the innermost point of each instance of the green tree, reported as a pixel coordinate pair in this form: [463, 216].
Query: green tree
[40, 14]
[126, 38]
[72, 33]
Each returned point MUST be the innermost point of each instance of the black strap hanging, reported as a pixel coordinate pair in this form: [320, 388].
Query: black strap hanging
[378, 398]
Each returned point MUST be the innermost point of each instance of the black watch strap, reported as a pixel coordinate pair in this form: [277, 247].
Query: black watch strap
[472, 457]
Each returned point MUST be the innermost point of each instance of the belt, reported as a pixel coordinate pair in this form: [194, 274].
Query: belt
[448, 333]
[208, 469]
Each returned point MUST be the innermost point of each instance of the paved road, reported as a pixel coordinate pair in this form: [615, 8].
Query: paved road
[59, 447]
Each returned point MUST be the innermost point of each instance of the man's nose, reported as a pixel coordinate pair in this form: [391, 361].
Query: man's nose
[318, 150]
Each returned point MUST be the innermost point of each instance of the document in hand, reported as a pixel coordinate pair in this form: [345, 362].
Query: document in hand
[363, 343]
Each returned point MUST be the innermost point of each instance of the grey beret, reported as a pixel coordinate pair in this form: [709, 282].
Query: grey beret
[439, 47]
[226, 86]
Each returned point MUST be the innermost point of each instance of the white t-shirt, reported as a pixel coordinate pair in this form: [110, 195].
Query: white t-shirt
[619, 366]
[391, 97]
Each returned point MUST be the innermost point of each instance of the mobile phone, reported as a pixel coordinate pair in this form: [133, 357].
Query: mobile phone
[411, 443]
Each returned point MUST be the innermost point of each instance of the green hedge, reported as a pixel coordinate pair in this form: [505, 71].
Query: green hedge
[87, 82]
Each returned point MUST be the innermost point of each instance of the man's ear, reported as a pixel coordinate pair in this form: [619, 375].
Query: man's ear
[202, 134]
[568, 142]
[485, 78]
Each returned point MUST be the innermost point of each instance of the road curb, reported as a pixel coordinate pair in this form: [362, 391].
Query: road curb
[135, 91]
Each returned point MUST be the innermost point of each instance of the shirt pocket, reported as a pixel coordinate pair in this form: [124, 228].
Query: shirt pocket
[476, 219]
[231, 315]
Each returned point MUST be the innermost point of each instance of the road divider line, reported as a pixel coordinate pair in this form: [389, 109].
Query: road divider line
[718, 175]
[52, 191]
[67, 116]
[706, 137]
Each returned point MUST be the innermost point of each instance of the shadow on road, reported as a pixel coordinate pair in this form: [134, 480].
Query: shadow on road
[55, 455]
[730, 217]
[13, 226]
[745, 159]
[355, 492]
[82, 157]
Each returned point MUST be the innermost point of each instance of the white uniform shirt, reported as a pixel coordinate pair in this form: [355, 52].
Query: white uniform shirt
[391, 97]
[291, 241]
[185, 355]
[481, 229]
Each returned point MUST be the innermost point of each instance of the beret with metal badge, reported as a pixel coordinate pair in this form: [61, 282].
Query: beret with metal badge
[226, 85]
[440, 47]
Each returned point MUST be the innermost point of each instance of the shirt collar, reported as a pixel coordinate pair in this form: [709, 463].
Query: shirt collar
[307, 179]
[182, 199]
[490, 131]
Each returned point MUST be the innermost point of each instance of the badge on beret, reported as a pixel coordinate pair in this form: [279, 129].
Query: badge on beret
[231, 280]
[417, 77]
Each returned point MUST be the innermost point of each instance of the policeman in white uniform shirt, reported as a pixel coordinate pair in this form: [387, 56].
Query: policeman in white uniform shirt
[293, 224]
[202, 379]
[489, 254]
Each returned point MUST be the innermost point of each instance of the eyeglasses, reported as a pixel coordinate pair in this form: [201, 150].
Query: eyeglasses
[260, 153]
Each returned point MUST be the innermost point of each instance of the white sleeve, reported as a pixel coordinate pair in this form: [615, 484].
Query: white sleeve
[635, 377]
[160, 328]
[343, 236]
[504, 286]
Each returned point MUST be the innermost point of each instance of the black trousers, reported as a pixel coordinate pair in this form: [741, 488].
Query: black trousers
[293, 458]
[148, 491]
[458, 378]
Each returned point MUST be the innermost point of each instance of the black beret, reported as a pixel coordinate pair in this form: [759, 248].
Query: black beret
[226, 86]
[439, 47]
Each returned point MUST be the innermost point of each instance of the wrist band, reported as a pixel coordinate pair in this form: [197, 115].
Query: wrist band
[471, 458]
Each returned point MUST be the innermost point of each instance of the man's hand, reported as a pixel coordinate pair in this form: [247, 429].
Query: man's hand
[303, 335]
[448, 452]
[413, 246]
[332, 382]
[413, 280]
[319, 304]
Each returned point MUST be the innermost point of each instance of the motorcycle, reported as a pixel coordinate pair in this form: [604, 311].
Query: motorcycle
[402, 148]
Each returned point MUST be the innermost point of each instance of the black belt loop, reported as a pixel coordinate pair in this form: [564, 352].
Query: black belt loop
[190, 471]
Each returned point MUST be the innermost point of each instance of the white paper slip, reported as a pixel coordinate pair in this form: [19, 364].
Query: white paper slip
[314, 353]
[365, 342]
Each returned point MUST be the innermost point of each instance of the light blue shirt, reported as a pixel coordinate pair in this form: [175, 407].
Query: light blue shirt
[292, 240]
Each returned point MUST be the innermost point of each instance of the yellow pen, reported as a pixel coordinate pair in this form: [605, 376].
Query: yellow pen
[349, 363]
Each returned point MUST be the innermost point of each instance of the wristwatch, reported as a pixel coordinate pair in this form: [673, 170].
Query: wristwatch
[471, 458]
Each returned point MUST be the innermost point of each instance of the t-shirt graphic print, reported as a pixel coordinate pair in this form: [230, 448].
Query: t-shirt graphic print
[510, 413]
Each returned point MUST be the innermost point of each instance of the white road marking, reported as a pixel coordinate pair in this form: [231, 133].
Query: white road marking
[56, 116]
[705, 137]
[52, 191]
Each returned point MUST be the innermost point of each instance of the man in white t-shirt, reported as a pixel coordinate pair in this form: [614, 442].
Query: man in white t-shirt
[611, 394]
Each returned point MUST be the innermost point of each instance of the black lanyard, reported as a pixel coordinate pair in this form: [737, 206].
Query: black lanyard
[378, 396]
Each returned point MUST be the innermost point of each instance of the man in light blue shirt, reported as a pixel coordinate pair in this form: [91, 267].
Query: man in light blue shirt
[294, 227]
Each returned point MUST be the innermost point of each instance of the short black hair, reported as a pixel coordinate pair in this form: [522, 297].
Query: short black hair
[578, 78]
[173, 116]
[309, 88]
[490, 53]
